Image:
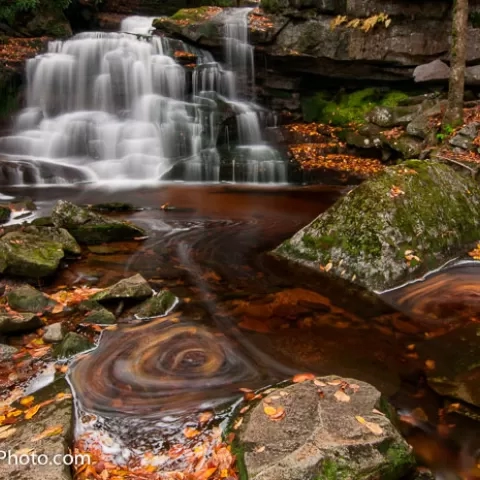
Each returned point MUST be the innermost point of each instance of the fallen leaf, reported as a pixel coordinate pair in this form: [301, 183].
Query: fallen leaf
[373, 427]
[430, 364]
[7, 433]
[269, 410]
[237, 424]
[49, 432]
[260, 449]
[205, 417]
[25, 401]
[279, 414]
[303, 377]
[341, 396]
[32, 412]
[335, 382]
[318, 383]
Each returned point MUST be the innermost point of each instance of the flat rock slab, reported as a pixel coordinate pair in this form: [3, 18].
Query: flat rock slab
[58, 415]
[135, 287]
[324, 434]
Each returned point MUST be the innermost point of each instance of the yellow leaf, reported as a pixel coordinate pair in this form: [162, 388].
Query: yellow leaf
[25, 401]
[373, 427]
[7, 432]
[269, 410]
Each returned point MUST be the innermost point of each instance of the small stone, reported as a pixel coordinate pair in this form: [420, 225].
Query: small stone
[160, 304]
[54, 333]
[433, 71]
[6, 352]
[71, 345]
[135, 287]
[101, 316]
[28, 299]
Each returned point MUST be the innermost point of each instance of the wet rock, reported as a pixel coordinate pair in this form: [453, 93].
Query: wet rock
[72, 344]
[59, 235]
[160, 304]
[100, 316]
[25, 254]
[6, 352]
[454, 358]
[57, 414]
[28, 299]
[135, 288]
[16, 323]
[4, 214]
[54, 333]
[42, 222]
[433, 71]
[392, 228]
[322, 437]
[91, 228]
[420, 126]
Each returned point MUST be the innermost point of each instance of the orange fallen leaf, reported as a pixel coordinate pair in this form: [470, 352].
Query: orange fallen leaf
[191, 432]
[31, 412]
[430, 364]
[303, 377]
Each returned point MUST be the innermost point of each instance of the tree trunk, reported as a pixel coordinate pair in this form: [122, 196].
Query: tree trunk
[458, 57]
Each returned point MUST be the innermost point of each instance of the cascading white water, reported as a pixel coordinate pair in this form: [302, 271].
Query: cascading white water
[113, 107]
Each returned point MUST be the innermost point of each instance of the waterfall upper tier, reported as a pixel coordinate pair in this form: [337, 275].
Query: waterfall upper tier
[126, 106]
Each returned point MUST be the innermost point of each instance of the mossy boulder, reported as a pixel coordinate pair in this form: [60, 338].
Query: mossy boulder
[27, 255]
[72, 344]
[59, 235]
[100, 316]
[134, 288]
[28, 299]
[160, 304]
[91, 228]
[321, 436]
[394, 227]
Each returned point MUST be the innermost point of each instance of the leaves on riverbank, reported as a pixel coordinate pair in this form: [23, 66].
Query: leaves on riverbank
[14, 51]
[475, 253]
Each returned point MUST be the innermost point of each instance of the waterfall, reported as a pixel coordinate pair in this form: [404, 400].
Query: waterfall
[123, 107]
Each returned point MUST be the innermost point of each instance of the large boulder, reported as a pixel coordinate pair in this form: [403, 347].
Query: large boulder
[329, 428]
[392, 228]
[91, 228]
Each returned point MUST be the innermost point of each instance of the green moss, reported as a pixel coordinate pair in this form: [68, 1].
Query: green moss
[191, 14]
[335, 470]
[400, 461]
[348, 108]
[272, 6]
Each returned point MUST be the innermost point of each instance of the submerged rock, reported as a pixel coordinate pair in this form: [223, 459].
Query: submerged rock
[58, 417]
[392, 228]
[454, 358]
[135, 287]
[160, 304]
[326, 432]
[28, 299]
[91, 228]
[72, 344]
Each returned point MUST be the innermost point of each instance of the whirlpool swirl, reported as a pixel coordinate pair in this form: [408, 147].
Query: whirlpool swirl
[160, 367]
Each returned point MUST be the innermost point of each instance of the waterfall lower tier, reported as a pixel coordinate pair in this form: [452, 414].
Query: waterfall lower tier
[129, 106]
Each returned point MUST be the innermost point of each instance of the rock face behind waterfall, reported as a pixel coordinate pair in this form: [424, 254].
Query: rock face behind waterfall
[392, 228]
